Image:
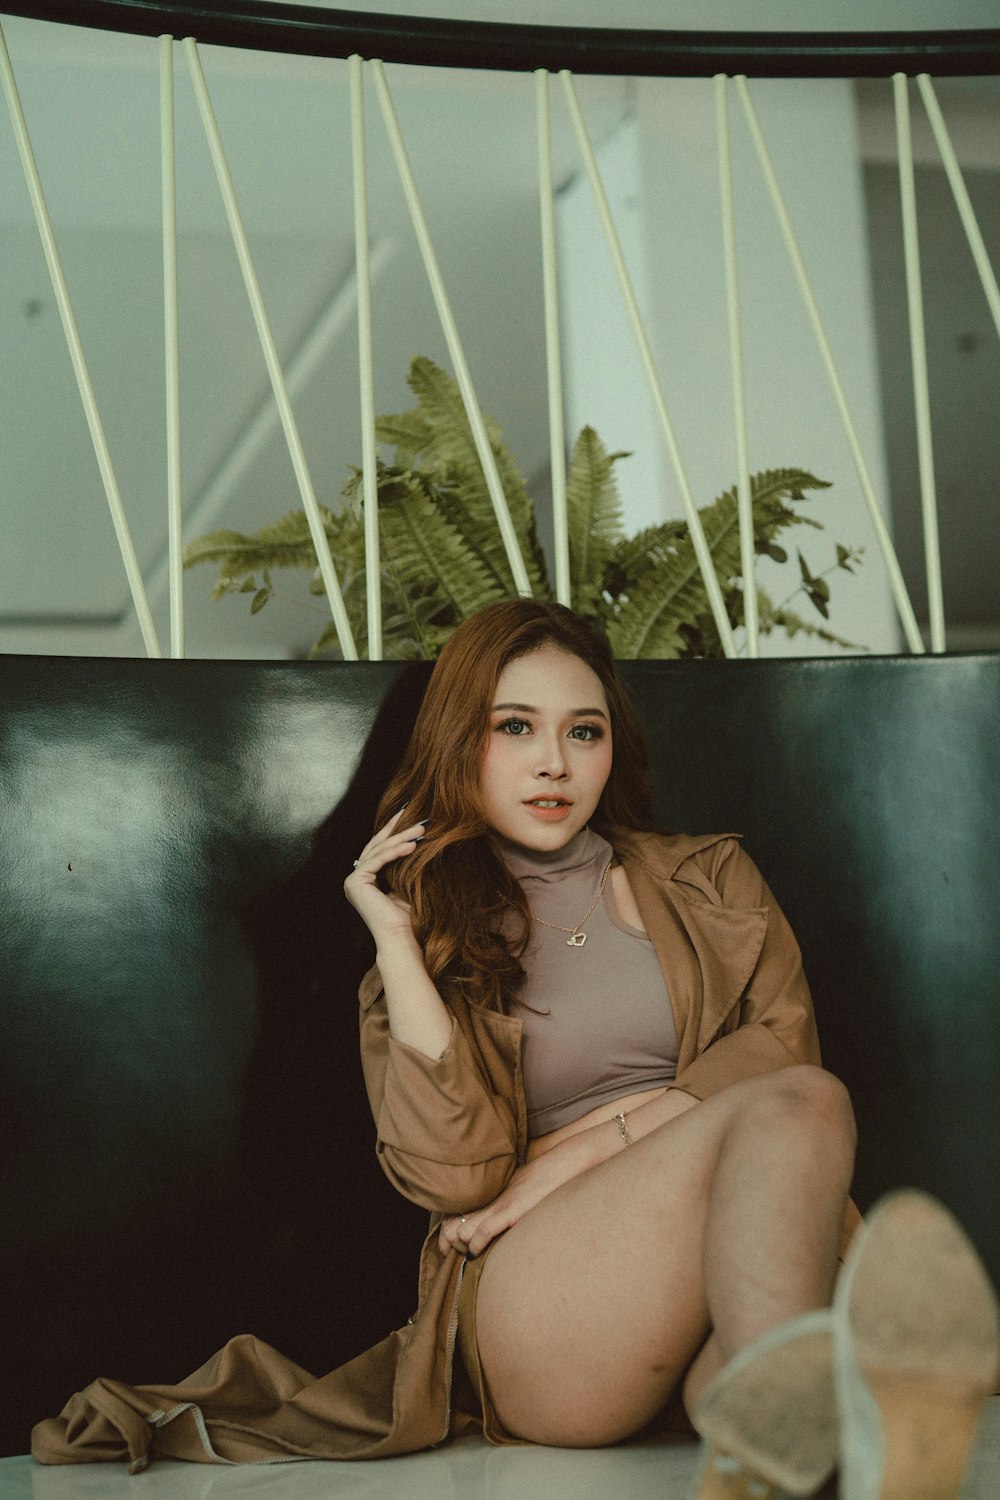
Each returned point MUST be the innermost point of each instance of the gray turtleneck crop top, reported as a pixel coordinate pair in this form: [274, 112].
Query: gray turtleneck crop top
[598, 1023]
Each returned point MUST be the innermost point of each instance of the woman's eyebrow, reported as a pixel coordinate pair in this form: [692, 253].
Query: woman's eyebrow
[574, 713]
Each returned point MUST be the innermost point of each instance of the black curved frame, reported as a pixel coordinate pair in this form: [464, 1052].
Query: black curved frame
[264, 26]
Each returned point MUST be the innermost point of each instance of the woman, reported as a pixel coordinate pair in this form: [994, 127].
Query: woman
[590, 1052]
[675, 1184]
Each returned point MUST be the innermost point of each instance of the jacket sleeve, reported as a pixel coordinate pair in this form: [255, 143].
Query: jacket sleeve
[772, 1025]
[445, 1138]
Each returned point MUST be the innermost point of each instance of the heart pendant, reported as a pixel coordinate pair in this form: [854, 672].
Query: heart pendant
[577, 940]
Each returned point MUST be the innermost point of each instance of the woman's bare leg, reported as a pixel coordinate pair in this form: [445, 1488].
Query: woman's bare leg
[718, 1226]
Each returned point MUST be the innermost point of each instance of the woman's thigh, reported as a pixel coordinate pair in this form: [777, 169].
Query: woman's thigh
[591, 1308]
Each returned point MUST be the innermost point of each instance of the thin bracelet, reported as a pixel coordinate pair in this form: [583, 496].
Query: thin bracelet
[623, 1128]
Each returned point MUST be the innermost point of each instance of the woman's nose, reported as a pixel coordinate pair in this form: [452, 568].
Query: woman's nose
[551, 760]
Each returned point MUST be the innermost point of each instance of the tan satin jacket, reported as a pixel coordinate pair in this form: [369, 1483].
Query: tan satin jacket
[450, 1132]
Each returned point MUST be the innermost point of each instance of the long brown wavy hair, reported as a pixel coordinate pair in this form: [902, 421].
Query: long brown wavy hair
[462, 896]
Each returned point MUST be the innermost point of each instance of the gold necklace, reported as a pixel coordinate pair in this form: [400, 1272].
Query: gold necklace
[578, 938]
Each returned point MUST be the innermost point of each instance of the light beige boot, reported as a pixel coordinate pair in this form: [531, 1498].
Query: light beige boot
[916, 1337]
[768, 1419]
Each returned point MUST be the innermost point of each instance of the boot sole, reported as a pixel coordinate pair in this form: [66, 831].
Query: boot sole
[769, 1418]
[916, 1351]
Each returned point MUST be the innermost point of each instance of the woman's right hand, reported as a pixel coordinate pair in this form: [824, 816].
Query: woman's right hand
[385, 915]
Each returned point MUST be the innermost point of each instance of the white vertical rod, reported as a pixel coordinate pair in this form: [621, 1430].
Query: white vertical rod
[168, 182]
[961, 196]
[748, 558]
[61, 290]
[336, 599]
[896, 581]
[697, 531]
[918, 362]
[557, 433]
[369, 466]
[330, 323]
[482, 442]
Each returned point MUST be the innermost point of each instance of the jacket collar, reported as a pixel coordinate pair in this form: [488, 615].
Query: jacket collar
[707, 951]
[664, 853]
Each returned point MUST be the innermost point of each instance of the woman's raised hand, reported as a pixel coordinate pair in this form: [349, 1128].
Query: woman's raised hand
[384, 914]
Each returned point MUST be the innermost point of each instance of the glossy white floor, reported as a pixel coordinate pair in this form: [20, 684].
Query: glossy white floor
[466, 1470]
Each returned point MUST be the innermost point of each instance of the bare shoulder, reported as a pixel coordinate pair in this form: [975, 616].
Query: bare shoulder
[624, 899]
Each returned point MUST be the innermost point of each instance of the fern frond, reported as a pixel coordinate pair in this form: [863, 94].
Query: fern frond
[522, 515]
[217, 546]
[451, 455]
[408, 640]
[410, 436]
[635, 555]
[770, 489]
[439, 434]
[787, 620]
[441, 410]
[407, 431]
[663, 595]
[594, 517]
[421, 548]
[408, 629]
[646, 628]
[283, 544]
[647, 619]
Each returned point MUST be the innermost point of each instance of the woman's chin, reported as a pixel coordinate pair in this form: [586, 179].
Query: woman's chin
[541, 828]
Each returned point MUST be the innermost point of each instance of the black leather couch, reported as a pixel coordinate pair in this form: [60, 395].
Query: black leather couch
[185, 1141]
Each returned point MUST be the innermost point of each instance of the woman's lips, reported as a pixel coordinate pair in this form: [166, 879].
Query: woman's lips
[550, 814]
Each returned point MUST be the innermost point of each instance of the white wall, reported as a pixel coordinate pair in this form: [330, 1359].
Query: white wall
[662, 174]
[602, 372]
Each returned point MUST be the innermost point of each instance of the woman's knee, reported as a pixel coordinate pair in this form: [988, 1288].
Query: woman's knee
[806, 1091]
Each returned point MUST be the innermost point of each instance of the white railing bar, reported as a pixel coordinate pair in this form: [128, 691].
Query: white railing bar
[171, 344]
[553, 357]
[486, 456]
[366, 363]
[896, 581]
[61, 290]
[748, 557]
[918, 362]
[332, 322]
[961, 196]
[697, 531]
[336, 599]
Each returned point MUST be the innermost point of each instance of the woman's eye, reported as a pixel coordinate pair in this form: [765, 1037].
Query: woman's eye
[586, 732]
[514, 726]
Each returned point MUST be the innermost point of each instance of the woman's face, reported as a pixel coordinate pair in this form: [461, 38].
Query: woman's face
[549, 743]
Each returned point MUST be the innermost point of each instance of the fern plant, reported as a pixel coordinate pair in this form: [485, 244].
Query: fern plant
[442, 558]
